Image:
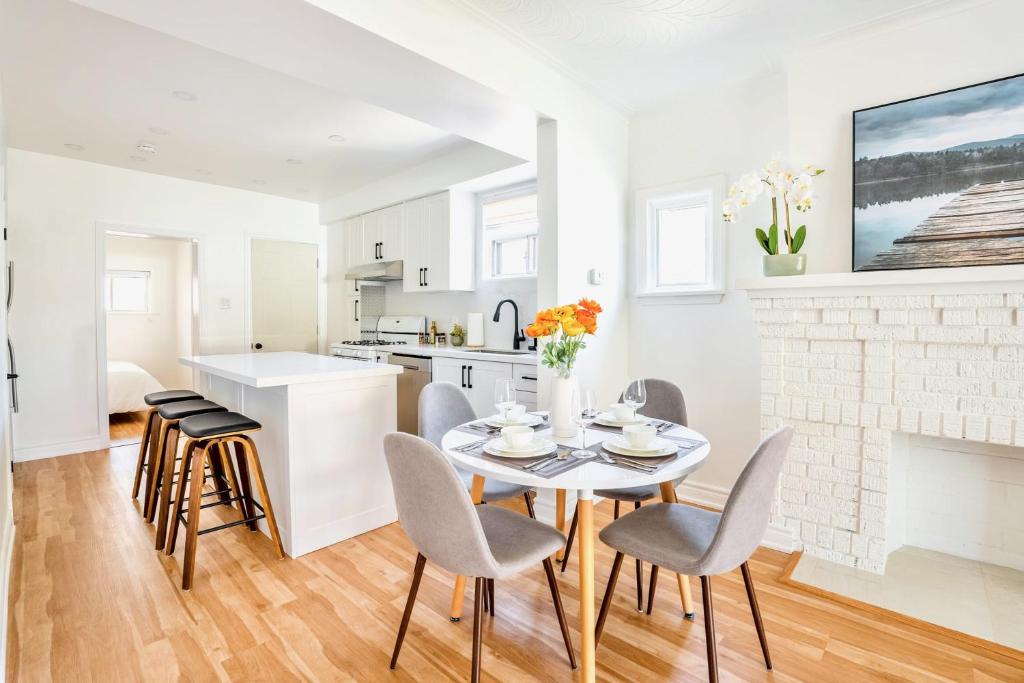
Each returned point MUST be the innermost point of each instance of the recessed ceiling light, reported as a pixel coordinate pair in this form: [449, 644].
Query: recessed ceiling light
[71, 145]
[156, 130]
[259, 182]
[336, 138]
[136, 157]
[293, 162]
[203, 171]
[147, 147]
[184, 95]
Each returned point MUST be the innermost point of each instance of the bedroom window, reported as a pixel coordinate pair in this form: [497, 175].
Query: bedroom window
[128, 291]
[509, 226]
[680, 250]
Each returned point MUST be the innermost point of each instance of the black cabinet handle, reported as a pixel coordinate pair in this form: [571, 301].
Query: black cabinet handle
[534, 379]
[10, 376]
[463, 376]
[355, 310]
[469, 376]
[426, 281]
[257, 346]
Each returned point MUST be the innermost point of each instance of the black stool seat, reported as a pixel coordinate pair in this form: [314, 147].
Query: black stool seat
[209, 425]
[182, 409]
[158, 398]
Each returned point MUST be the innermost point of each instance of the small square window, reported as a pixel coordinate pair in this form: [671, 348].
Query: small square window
[679, 243]
[128, 291]
[509, 229]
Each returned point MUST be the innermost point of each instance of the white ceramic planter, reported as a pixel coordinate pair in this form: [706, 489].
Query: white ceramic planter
[562, 424]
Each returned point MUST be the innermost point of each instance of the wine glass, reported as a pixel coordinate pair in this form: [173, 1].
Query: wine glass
[584, 412]
[635, 396]
[504, 397]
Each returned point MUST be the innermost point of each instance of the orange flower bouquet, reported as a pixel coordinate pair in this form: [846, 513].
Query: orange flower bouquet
[567, 326]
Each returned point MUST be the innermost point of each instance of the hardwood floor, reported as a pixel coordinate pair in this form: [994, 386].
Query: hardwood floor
[91, 600]
[127, 428]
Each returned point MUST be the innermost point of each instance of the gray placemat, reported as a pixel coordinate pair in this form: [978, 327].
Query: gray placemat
[553, 470]
[686, 446]
[660, 425]
[480, 428]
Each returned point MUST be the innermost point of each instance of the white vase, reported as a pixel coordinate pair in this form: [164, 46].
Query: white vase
[562, 424]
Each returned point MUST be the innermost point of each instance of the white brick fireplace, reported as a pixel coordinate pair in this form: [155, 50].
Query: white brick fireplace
[859, 362]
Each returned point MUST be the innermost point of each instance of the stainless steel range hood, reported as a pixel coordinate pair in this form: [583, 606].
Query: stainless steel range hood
[384, 271]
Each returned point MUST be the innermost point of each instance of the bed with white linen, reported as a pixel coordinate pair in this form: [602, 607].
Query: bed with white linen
[127, 384]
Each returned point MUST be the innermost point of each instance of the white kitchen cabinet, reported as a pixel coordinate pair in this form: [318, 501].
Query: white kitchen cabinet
[352, 312]
[382, 235]
[370, 252]
[352, 237]
[476, 379]
[439, 239]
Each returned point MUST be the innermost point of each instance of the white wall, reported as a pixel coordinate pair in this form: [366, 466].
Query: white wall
[156, 339]
[802, 111]
[56, 204]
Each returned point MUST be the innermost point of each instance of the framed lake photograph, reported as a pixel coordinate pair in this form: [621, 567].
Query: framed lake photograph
[938, 180]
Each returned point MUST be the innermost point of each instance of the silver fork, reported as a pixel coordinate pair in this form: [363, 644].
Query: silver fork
[560, 454]
[471, 445]
[628, 463]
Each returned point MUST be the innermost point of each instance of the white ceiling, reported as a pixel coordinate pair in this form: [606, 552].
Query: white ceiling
[636, 52]
[73, 76]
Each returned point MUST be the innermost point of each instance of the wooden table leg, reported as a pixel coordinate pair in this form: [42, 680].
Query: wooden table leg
[585, 531]
[560, 517]
[668, 495]
[476, 492]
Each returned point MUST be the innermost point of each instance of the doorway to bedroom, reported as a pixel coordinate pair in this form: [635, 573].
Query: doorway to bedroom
[149, 295]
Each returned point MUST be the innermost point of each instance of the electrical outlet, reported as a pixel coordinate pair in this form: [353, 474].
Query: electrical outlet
[595, 276]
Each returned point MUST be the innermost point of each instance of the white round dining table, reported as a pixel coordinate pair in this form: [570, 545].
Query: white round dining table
[593, 475]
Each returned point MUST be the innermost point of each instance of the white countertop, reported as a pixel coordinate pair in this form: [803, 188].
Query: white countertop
[279, 368]
[462, 352]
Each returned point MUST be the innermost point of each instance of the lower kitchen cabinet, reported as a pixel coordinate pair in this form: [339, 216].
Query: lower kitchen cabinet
[476, 378]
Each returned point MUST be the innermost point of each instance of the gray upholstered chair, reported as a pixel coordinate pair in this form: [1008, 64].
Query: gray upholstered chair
[664, 402]
[696, 542]
[443, 407]
[483, 541]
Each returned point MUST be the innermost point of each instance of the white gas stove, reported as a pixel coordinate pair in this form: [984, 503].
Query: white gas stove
[391, 334]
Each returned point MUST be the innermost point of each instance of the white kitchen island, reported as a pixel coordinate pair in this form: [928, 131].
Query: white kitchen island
[322, 442]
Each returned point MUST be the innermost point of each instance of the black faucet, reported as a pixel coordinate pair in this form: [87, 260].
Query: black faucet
[517, 334]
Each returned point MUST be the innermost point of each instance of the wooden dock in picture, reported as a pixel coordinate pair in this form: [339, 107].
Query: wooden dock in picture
[982, 226]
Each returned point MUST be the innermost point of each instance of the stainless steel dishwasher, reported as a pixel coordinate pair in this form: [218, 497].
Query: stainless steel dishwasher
[415, 375]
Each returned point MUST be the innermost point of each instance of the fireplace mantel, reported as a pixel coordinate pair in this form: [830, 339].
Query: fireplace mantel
[932, 280]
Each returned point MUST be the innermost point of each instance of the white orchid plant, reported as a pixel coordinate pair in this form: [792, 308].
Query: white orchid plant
[779, 182]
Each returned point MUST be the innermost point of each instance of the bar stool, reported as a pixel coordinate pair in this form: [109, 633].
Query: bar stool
[210, 435]
[162, 482]
[154, 400]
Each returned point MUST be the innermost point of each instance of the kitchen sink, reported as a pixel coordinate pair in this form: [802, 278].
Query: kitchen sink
[505, 352]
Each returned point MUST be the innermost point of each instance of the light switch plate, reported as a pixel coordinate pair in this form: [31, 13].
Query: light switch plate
[225, 303]
[595, 276]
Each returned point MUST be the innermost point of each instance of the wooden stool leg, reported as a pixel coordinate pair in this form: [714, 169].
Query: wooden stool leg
[179, 495]
[261, 485]
[229, 469]
[166, 486]
[195, 504]
[147, 433]
[245, 482]
[155, 468]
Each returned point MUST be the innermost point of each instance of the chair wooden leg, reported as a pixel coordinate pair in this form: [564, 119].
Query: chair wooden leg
[556, 598]
[153, 470]
[245, 482]
[417, 574]
[607, 602]
[195, 503]
[529, 505]
[167, 490]
[487, 598]
[650, 589]
[572, 535]
[179, 497]
[490, 594]
[639, 576]
[261, 485]
[709, 629]
[748, 581]
[616, 513]
[478, 618]
[147, 433]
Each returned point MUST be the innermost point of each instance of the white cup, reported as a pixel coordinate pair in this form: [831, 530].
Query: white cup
[622, 412]
[517, 437]
[517, 413]
[639, 436]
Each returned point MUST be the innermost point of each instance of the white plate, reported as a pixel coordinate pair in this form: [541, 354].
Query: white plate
[529, 420]
[608, 420]
[658, 448]
[537, 448]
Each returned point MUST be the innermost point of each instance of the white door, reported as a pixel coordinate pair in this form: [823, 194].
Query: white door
[417, 245]
[391, 238]
[284, 296]
[439, 229]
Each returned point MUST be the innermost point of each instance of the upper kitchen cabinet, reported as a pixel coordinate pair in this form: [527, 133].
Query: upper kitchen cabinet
[439, 243]
[383, 236]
